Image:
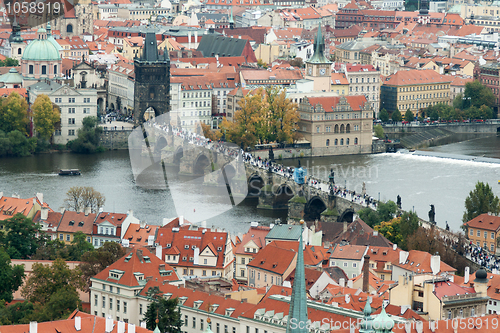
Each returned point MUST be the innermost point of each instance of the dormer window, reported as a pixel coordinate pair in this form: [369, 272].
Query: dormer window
[71, 223]
[80, 224]
[219, 248]
[169, 246]
[186, 246]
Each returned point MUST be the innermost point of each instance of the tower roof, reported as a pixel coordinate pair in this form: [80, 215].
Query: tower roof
[319, 50]
[298, 302]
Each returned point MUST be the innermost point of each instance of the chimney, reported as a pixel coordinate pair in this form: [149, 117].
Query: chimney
[181, 220]
[109, 324]
[39, 196]
[403, 256]
[466, 275]
[44, 213]
[345, 226]
[78, 323]
[342, 282]
[366, 274]
[347, 298]
[121, 327]
[139, 254]
[189, 39]
[130, 212]
[196, 255]
[87, 211]
[394, 247]
[435, 264]
[143, 324]
[33, 327]
[158, 251]
[131, 328]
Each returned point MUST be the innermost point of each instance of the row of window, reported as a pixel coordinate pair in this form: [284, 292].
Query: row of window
[100, 242]
[492, 234]
[336, 142]
[110, 289]
[425, 96]
[419, 105]
[421, 88]
[195, 94]
[202, 325]
[195, 104]
[374, 80]
[110, 302]
[375, 88]
[204, 272]
[68, 237]
[43, 70]
[252, 274]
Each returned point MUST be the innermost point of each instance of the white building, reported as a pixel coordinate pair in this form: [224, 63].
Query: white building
[74, 105]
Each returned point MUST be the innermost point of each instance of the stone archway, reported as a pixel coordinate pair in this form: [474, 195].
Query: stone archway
[347, 215]
[255, 184]
[200, 164]
[178, 155]
[282, 195]
[313, 209]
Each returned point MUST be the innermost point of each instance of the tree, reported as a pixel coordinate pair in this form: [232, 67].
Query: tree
[168, 314]
[51, 250]
[261, 64]
[408, 225]
[209, 133]
[369, 216]
[11, 277]
[14, 114]
[20, 238]
[93, 262]
[79, 246]
[383, 115]
[297, 62]
[266, 116]
[379, 131]
[479, 95]
[88, 137]
[17, 313]
[79, 197]
[481, 200]
[409, 117]
[59, 306]
[391, 230]
[9, 62]
[46, 280]
[20, 145]
[45, 116]
[396, 116]
[387, 210]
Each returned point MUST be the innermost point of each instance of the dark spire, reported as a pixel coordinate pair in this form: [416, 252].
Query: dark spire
[231, 19]
[150, 50]
[319, 49]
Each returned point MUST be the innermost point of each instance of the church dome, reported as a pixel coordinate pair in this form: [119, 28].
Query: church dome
[12, 77]
[41, 49]
[481, 276]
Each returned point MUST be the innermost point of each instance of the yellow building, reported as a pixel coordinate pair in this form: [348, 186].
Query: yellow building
[73, 222]
[414, 90]
[339, 84]
[483, 231]
[132, 47]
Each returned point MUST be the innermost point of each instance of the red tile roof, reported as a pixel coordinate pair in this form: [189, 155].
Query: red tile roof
[442, 289]
[11, 206]
[328, 103]
[256, 235]
[115, 219]
[311, 276]
[485, 222]
[274, 259]
[416, 76]
[72, 222]
[351, 252]
[420, 262]
[138, 236]
[5, 92]
[136, 262]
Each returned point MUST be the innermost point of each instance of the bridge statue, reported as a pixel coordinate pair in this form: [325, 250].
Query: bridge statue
[363, 190]
[398, 201]
[271, 154]
[432, 214]
[299, 176]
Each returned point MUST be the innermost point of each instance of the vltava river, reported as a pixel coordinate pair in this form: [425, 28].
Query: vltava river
[419, 180]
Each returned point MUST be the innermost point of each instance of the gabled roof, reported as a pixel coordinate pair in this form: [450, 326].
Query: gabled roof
[10, 206]
[138, 235]
[311, 276]
[313, 255]
[273, 259]
[329, 103]
[212, 45]
[254, 234]
[115, 219]
[419, 262]
[72, 222]
[416, 76]
[53, 218]
[285, 232]
[443, 289]
[493, 284]
[349, 252]
[485, 222]
[360, 233]
[138, 261]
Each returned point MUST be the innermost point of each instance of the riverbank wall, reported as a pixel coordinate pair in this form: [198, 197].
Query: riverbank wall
[112, 140]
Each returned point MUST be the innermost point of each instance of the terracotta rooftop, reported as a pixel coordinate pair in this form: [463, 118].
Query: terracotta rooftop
[72, 222]
[485, 222]
[416, 76]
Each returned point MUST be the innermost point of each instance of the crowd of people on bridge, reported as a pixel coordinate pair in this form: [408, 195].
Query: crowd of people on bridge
[267, 164]
[482, 257]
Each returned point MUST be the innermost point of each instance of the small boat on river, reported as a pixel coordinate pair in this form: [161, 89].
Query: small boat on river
[69, 172]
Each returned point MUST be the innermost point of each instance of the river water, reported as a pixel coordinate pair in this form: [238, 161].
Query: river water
[444, 180]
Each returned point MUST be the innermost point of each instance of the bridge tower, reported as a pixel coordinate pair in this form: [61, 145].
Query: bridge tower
[152, 80]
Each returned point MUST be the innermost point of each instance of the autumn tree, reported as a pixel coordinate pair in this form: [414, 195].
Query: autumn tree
[265, 116]
[14, 113]
[79, 197]
[47, 280]
[45, 116]
[11, 277]
[209, 133]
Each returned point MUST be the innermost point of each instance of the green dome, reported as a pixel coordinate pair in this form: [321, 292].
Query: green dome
[42, 49]
[12, 77]
[383, 323]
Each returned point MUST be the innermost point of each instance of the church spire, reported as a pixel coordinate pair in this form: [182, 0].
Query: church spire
[231, 19]
[319, 49]
[297, 316]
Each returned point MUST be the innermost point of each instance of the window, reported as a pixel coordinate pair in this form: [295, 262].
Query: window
[479, 233]
[95, 300]
[30, 69]
[117, 305]
[58, 100]
[44, 69]
[242, 273]
[194, 322]
[354, 265]
[110, 289]
[117, 290]
[185, 320]
[68, 238]
[492, 247]
[201, 324]
[345, 264]
[472, 232]
[124, 307]
[71, 121]
[218, 328]
[71, 100]
[55, 69]
[205, 261]
[61, 237]
[71, 110]
[86, 110]
[485, 234]
[86, 100]
[111, 304]
[327, 142]
[140, 309]
[103, 301]
[492, 235]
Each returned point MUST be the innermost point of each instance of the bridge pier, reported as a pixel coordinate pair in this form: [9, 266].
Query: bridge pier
[330, 214]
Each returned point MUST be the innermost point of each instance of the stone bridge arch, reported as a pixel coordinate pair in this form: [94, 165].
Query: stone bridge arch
[200, 164]
[313, 209]
[282, 195]
[255, 184]
[347, 215]
[178, 155]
